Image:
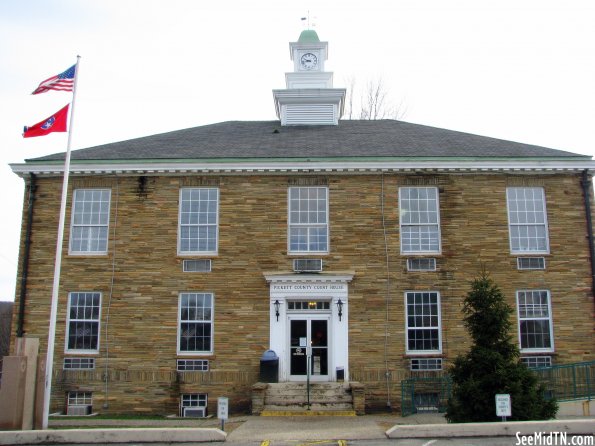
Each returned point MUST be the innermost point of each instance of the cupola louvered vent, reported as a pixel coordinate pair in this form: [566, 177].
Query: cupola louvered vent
[307, 265]
[310, 114]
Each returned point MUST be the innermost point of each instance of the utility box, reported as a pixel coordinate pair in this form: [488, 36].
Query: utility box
[269, 367]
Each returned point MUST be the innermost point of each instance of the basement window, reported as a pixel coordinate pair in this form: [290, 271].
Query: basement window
[193, 405]
[426, 364]
[197, 266]
[534, 362]
[421, 264]
[192, 365]
[529, 263]
[79, 363]
[79, 403]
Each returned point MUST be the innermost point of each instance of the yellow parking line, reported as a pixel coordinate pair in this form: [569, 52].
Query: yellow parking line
[265, 443]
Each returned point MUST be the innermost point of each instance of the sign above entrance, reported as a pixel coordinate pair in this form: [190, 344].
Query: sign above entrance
[318, 287]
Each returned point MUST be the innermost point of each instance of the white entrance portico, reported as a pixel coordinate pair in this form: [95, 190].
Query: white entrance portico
[309, 315]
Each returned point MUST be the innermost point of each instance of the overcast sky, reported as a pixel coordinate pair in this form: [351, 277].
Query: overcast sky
[521, 70]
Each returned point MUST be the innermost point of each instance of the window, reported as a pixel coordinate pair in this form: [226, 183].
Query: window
[308, 305]
[79, 403]
[197, 266]
[198, 220]
[83, 322]
[535, 320]
[535, 362]
[527, 220]
[421, 264]
[90, 221]
[192, 365]
[79, 363]
[195, 323]
[193, 404]
[425, 364]
[423, 322]
[308, 219]
[530, 263]
[80, 398]
[420, 220]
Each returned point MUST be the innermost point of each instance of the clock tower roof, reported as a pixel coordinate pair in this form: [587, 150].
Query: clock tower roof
[308, 36]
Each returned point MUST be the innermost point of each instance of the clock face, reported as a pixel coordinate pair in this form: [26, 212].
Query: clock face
[308, 61]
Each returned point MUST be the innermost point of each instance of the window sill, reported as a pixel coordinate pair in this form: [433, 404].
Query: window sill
[413, 355]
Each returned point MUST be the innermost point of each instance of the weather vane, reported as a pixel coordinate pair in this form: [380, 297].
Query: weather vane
[306, 21]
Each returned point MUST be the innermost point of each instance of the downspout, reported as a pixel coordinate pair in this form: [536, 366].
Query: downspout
[27, 249]
[586, 183]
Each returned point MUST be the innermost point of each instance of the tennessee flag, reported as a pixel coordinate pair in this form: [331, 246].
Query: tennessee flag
[55, 123]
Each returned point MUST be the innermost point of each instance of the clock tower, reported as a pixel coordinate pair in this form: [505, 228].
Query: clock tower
[309, 97]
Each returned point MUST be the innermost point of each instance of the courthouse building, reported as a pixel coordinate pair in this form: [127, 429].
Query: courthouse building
[189, 254]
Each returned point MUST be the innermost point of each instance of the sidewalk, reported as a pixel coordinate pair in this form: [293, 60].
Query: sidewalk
[366, 427]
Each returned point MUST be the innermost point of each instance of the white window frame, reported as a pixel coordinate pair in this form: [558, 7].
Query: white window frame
[402, 224]
[549, 318]
[439, 327]
[69, 320]
[308, 225]
[80, 398]
[543, 224]
[192, 400]
[210, 321]
[216, 224]
[74, 225]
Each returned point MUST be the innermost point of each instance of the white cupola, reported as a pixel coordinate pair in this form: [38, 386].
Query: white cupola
[309, 97]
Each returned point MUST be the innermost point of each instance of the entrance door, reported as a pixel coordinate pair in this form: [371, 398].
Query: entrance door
[309, 337]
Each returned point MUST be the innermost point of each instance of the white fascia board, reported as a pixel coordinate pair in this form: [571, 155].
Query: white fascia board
[338, 166]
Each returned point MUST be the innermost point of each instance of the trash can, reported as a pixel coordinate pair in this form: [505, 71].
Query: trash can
[269, 367]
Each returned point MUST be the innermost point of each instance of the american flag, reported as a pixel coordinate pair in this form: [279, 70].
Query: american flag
[62, 82]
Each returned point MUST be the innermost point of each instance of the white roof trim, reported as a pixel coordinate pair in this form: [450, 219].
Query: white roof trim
[282, 277]
[262, 167]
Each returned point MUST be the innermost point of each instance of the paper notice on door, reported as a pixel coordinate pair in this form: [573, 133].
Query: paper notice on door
[316, 365]
[303, 342]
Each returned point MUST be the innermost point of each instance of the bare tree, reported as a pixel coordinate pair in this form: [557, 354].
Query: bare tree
[374, 102]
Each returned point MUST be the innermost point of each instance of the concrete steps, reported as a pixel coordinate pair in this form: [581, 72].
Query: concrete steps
[283, 399]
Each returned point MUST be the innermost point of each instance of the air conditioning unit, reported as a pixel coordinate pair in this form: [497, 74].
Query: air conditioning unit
[195, 412]
[78, 409]
[307, 265]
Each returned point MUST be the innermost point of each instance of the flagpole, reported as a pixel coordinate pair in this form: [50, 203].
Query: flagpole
[49, 363]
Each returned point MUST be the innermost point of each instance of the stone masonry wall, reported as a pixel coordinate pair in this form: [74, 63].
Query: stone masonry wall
[140, 298]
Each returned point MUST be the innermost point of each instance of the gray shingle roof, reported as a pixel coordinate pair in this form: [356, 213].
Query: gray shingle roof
[268, 139]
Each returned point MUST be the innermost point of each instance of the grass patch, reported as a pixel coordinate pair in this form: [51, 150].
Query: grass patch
[110, 417]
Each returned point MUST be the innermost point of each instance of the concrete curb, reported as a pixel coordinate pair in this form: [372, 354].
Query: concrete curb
[504, 429]
[148, 435]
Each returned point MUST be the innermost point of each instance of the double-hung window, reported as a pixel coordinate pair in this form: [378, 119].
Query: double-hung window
[90, 221]
[308, 219]
[195, 323]
[527, 220]
[198, 231]
[83, 322]
[535, 320]
[423, 322]
[419, 216]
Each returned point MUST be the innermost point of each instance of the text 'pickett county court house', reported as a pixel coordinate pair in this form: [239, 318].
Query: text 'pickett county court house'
[189, 254]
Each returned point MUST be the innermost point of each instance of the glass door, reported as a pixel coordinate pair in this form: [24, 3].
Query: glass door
[309, 339]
